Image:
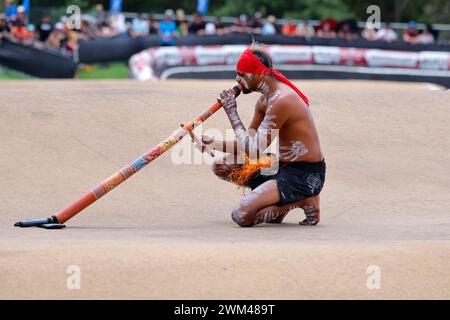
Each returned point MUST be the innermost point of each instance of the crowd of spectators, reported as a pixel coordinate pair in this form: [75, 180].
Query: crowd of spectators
[59, 34]
[14, 25]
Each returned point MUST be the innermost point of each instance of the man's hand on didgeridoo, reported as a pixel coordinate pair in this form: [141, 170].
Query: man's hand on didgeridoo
[204, 145]
[227, 98]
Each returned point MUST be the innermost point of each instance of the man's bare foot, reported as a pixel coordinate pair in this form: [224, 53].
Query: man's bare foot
[311, 208]
[278, 219]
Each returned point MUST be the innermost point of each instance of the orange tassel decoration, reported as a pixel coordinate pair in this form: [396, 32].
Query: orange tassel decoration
[241, 175]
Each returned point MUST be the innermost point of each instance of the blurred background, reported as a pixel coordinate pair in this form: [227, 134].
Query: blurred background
[406, 40]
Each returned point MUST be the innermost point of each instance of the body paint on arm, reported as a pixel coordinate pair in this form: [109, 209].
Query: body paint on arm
[256, 142]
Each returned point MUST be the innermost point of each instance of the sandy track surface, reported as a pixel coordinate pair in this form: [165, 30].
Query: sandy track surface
[167, 232]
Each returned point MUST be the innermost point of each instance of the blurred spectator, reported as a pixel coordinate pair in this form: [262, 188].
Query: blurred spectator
[23, 34]
[139, 27]
[327, 29]
[10, 10]
[21, 18]
[289, 28]
[305, 30]
[88, 29]
[167, 29]
[118, 23]
[197, 25]
[210, 29]
[256, 23]
[433, 32]
[411, 35]
[105, 30]
[369, 34]
[386, 34]
[220, 28]
[73, 36]
[182, 25]
[64, 38]
[348, 30]
[4, 25]
[425, 37]
[153, 26]
[100, 15]
[240, 24]
[57, 36]
[44, 28]
[269, 26]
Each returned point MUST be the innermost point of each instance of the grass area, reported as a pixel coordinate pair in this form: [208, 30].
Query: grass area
[96, 71]
[106, 71]
[12, 75]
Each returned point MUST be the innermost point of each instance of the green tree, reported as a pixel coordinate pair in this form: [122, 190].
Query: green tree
[430, 11]
[303, 9]
[83, 4]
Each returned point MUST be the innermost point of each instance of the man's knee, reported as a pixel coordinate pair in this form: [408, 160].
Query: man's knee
[242, 216]
[220, 170]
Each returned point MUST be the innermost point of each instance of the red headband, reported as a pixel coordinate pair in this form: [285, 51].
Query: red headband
[249, 63]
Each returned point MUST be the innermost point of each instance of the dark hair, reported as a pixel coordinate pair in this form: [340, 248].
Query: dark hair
[261, 54]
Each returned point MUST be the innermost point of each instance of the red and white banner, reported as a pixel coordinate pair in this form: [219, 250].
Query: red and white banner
[143, 64]
[434, 60]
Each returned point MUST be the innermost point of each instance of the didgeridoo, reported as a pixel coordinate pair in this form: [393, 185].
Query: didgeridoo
[123, 174]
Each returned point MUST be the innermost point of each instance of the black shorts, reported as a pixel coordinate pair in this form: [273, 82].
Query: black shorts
[295, 180]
